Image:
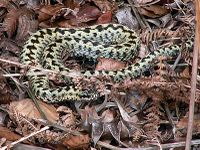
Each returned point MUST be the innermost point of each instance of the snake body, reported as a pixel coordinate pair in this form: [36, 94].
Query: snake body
[44, 49]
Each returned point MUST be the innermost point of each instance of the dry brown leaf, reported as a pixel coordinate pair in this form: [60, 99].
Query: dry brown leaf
[26, 25]
[28, 120]
[9, 135]
[10, 45]
[105, 18]
[9, 4]
[33, 4]
[108, 116]
[125, 17]
[4, 3]
[45, 24]
[73, 17]
[63, 13]
[125, 115]
[77, 142]
[67, 117]
[5, 91]
[183, 123]
[65, 24]
[47, 11]
[153, 11]
[87, 13]
[12, 19]
[107, 125]
[10, 22]
[109, 64]
[72, 4]
[28, 109]
[181, 128]
[103, 5]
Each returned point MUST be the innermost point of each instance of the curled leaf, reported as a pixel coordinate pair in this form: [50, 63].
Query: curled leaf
[28, 109]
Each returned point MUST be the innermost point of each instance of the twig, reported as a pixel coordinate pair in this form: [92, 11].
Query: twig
[194, 78]
[177, 3]
[163, 146]
[25, 138]
[139, 19]
[43, 71]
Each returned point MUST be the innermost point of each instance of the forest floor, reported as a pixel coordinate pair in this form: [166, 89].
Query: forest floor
[150, 112]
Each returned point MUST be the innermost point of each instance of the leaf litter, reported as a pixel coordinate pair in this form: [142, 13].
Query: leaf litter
[136, 113]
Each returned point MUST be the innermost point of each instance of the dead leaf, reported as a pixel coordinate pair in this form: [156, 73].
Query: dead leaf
[4, 3]
[26, 25]
[72, 4]
[109, 64]
[97, 130]
[104, 5]
[63, 13]
[28, 120]
[125, 17]
[108, 116]
[32, 4]
[77, 142]
[87, 13]
[8, 4]
[13, 19]
[105, 18]
[107, 125]
[47, 11]
[28, 109]
[5, 91]
[125, 115]
[10, 45]
[45, 24]
[183, 123]
[89, 114]
[111, 127]
[9, 135]
[153, 11]
[66, 24]
[67, 117]
[69, 17]
[10, 22]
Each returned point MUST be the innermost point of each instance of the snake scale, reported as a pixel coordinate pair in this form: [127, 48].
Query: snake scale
[44, 48]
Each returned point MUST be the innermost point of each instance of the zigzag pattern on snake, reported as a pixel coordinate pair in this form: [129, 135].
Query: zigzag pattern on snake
[44, 49]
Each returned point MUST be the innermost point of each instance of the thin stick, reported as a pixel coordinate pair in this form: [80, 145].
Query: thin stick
[163, 146]
[139, 19]
[73, 73]
[24, 138]
[194, 79]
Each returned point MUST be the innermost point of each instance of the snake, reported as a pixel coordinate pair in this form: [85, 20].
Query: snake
[45, 47]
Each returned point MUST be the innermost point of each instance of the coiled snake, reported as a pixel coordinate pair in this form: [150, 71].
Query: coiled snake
[44, 48]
